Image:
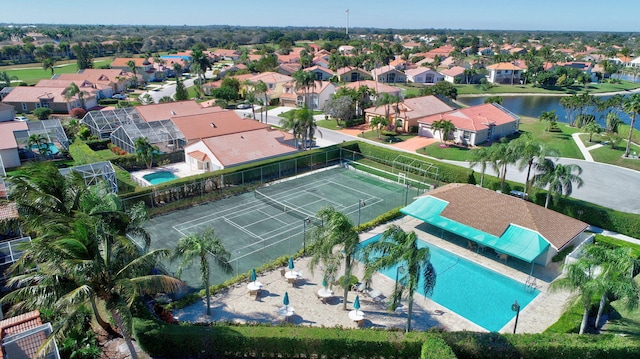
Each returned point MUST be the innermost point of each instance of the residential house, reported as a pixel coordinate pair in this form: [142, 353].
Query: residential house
[7, 112]
[411, 45]
[9, 151]
[499, 222]
[227, 54]
[288, 69]
[473, 125]
[143, 67]
[376, 87]
[454, 74]
[321, 61]
[274, 82]
[322, 73]
[352, 74]
[388, 74]
[345, 49]
[88, 90]
[316, 97]
[223, 139]
[442, 51]
[107, 81]
[504, 73]
[23, 335]
[406, 114]
[423, 75]
[27, 99]
[486, 51]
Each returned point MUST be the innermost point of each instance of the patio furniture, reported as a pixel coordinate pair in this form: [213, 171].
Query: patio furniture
[282, 272]
[324, 294]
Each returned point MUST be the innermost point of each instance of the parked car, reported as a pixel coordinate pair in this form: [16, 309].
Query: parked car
[243, 106]
[21, 118]
[119, 96]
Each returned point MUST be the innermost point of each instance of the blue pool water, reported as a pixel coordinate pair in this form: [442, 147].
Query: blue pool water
[159, 177]
[53, 149]
[471, 290]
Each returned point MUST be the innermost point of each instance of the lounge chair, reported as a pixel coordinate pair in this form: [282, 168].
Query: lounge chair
[282, 272]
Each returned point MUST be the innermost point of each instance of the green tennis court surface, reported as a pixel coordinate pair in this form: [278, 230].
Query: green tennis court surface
[259, 227]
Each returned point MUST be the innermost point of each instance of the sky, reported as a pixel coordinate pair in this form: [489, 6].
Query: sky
[548, 15]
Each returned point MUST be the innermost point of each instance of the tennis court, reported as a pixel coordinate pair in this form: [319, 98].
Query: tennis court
[276, 220]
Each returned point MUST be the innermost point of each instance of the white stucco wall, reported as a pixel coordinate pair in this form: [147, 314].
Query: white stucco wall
[214, 163]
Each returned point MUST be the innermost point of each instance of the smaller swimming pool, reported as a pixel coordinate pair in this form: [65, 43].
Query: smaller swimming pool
[53, 149]
[160, 177]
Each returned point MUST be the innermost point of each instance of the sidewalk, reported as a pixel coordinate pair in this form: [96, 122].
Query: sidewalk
[585, 151]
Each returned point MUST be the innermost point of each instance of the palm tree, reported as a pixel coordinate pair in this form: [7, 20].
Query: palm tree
[49, 63]
[612, 121]
[202, 247]
[386, 100]
[261, 87]
[334, 241]
[557, 177]
[632, 107]
[305, 80]
[39, 142]
[378, 122]
[529, 150]
[481, 156]
[291, 122]
[551, 117]
[591, 128]
[145, 151]
[445, 127]
[503, 154]
[396, 247]
[134, 70]
[307, 125]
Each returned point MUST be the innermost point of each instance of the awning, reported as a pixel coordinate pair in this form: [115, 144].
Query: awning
[516, 241]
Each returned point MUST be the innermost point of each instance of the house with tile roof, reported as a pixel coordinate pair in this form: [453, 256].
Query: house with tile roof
[454, 74]
[227, 54]
[376, 87]
[26, 99]
[274, 81]
[322, 73]
[107, 81]
[514, 228]
[406, 114]
[9, 151]
[144, 67]
[7, 112]
[388, 74]
[473, 125]
[288, 69]
[316, 97]
[423, 75]
[23, 335]
[352, 74]
[505, 73]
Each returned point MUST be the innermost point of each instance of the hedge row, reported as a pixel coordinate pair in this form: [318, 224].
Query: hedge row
[223, 340]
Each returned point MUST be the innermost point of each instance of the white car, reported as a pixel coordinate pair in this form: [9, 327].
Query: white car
[119, 96]
[243, 106]
[21, 119]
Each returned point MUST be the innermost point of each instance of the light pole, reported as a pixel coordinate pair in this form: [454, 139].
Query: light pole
[360, 205]
[516, 308]
[304, 236]
[395, 292]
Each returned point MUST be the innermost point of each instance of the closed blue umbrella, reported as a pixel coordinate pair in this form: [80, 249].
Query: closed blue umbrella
[324, 281]
[253, 275]
[285, 300]
[291, 263]
[356, 303]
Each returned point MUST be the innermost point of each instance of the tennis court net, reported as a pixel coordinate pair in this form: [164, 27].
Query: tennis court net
[286, 208]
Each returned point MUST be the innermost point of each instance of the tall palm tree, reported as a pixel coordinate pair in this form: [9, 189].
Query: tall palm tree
[591, 128]
[481, 156]
[398, 248]
[49, 63]
[445, 127]
[550, 117]
[145, 151]
[378, 122]
[503, 154]
[305, 80]
[334, 242]
[261, 87]
[558, 178]
[632, 107]
[132, 66]
[386, 100]
[530, 150]
[291, 122]
[307, 125]
[201, 247]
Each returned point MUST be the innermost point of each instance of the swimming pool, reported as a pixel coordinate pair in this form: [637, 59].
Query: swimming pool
[159, 177]
[53, 149]
[471, 290]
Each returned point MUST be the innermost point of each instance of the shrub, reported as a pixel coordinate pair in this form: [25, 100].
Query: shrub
[98, 145]
[434, 347]
[42, 113]
[108, 101]
[77, 113]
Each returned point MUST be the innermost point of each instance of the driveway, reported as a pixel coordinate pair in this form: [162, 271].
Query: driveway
[413, 144]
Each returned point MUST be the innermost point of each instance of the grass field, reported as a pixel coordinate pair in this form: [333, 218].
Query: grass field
[522, 89]
[32, 73]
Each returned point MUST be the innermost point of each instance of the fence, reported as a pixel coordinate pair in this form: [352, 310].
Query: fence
[577, 252]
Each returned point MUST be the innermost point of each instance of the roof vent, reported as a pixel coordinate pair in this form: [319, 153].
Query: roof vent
[213, 125]
[173, 113]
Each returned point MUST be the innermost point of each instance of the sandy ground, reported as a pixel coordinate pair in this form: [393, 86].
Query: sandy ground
[237, 305]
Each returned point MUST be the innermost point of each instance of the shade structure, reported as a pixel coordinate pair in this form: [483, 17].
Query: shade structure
[356, 303]
[253, 275]
[291, 263]
[285, 300]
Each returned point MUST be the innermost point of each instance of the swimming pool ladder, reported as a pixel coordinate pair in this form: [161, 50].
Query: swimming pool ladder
[530, 284]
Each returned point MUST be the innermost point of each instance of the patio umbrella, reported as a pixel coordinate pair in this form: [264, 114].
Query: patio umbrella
[324, 282]
[285, 300]
[253, 275]
[290, 263]
[356, 303]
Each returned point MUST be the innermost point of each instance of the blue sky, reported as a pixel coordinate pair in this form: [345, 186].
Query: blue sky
[565, 15]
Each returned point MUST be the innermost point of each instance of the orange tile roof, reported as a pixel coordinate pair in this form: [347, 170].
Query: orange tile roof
[19, 324]
[504, 66]
[123, 62]
[270, 77]
[164, 111]
[376, 86]
[35, 94]
[493, 212]
[96, 76]
[454, 71]
[8, 210]
[218, 123]
[473, 118]
[7, 139]
[238, 148]
[198, 155]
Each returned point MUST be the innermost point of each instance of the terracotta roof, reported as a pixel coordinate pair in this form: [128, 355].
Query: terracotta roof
[345, 70]
[418, 71]
[248, 146]
[473, 118]
[5, 107]
[35, 94]
[164, 111]
[7, 139]
[493, 212]
[122, 62]
[504, 66]
[8, 210]
[383, 70]
[454, 71]
[318, 68]
[96, 75]
[378, 87]
[270, 77]
[414, 108]
[215, 124]
[198, 155]
[19, 324]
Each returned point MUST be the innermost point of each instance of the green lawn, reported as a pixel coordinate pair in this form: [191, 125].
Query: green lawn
[32, 73]
[623, 321]
[608, 155]
[373, 136]
[453, 153]
[328, 124]
[592, 88]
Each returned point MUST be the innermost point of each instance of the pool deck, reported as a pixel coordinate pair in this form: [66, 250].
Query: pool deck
[236, 304]
[180, 169]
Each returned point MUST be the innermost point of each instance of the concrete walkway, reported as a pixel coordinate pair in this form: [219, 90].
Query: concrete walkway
[585, 151]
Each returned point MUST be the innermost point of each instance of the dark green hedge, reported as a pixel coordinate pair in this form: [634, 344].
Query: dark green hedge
[98, 145]
[257, 341]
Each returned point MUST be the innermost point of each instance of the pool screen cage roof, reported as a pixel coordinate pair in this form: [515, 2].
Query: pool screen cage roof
[52, 130]
[164, 134]
[95, 172]
[26, 344]
[10, 250]
[103, 123]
